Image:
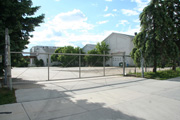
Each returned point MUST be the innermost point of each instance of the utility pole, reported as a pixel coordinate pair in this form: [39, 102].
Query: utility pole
[8, 79]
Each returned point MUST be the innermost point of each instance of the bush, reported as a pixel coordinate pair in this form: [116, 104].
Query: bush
[39, 63]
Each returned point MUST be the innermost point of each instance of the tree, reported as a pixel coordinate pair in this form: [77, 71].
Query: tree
[172, 9]
[100, 49]
[155, 39]
[17, 16]
[23, 62]
[67, 60]
[93, 60]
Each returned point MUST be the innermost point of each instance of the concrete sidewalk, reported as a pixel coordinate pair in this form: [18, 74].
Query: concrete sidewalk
[105, 98]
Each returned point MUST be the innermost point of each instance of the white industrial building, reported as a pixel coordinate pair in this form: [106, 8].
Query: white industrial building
[44, 57]
[119, 44]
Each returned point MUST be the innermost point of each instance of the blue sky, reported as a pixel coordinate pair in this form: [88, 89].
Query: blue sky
[80, 22]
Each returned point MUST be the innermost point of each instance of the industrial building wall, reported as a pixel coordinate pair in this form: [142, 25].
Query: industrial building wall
[119, 44]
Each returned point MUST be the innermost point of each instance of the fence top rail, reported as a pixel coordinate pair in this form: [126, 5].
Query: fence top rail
[73, 54]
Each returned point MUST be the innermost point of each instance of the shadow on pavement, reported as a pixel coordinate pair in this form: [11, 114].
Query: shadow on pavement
[56, 105]
[19, 83]
[52, 103]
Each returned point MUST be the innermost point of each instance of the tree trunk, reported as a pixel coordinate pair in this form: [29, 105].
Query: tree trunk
[155, 65]
[155, 56]
[174, 65]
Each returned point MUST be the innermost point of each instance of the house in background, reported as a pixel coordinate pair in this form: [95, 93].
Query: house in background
[44, 57]
[88, 47]
[119, 44]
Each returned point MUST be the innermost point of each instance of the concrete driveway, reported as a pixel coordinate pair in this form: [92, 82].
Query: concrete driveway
[103, 98]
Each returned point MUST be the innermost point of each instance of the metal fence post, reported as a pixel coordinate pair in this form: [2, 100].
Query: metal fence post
[79, 64]
[124, 64]
[104, 64]
[142, 62]
[48, 66]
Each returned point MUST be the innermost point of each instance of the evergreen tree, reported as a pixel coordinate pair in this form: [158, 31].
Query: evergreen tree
[173, 11]
[156, 36]
[16, 15]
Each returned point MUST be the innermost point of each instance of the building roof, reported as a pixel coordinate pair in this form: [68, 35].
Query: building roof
[91, 45]
[119, 34]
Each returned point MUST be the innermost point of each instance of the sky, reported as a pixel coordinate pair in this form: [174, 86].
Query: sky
[81, 22]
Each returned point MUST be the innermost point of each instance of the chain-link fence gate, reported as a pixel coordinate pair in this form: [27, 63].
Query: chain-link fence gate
[32, 68]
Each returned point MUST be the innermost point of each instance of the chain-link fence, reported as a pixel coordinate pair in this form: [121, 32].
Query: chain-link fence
[43, 66]
[33, 67]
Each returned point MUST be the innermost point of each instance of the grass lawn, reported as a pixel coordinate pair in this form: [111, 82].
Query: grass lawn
[7, 96]
[160, 75]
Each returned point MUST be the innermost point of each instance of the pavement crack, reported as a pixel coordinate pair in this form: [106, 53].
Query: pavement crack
[25, 111]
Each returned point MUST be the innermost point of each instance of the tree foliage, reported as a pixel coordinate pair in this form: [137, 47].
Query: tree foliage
[102, 47]
[67, 60]
[158, 34]
[39, 63]
[97, 60]
[17, 16]
[93, 60]
[23, 61]
[71, 60]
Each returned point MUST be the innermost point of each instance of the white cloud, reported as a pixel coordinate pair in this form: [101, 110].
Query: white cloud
[106, 9]
[73, 20]
[122, 22]
[69, 28]
[59, 28]
[129, 12]
[108, 0]
[109, 14]
[103, 22]
[114, 10]
[57, 0]
[141, 4]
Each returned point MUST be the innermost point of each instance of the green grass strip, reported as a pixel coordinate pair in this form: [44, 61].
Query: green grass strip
[160, 75]
[7, 96]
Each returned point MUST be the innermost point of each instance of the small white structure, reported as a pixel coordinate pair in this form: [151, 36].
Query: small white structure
[119, 44]
[44, 57]
[88, 47]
